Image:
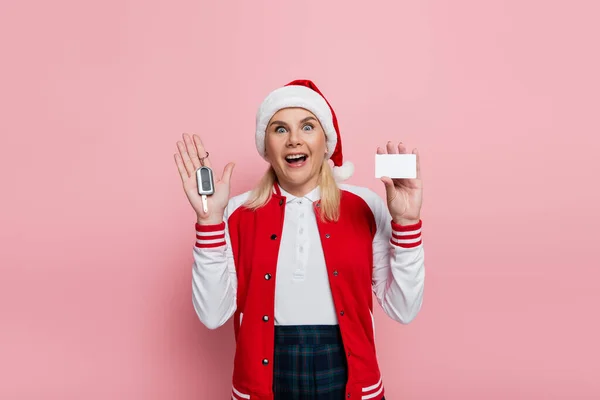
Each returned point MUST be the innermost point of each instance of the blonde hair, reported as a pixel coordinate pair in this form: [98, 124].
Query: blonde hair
[330, 192]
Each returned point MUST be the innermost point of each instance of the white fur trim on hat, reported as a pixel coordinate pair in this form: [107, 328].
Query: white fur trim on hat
[295, 96]
[343, 172]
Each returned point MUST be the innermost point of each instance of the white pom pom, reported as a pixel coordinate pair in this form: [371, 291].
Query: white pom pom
[344, 172]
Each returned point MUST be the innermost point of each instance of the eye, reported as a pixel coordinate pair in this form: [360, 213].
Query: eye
[280, 129]
[309, 126]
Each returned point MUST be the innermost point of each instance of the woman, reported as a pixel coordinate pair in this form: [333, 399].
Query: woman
[296, 260]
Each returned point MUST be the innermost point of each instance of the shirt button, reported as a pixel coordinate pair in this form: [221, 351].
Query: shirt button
[335, 273]
[265, 318]
[301, 249]
[273, 236]
[301, 230]
[265, 361]
[267, 276]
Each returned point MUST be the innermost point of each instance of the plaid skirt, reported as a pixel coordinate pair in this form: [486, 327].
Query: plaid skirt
[310, 363]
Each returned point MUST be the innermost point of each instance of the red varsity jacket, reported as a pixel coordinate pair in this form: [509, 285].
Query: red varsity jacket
[235, 265]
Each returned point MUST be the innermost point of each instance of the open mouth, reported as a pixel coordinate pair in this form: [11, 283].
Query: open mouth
[296, 159]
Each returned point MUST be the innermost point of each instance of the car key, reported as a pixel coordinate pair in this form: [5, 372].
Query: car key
[206, 185]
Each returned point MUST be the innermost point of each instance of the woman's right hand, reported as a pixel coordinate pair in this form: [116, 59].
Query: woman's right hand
[188, 161]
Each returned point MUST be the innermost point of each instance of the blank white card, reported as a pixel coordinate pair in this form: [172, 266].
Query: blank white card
[396, 165]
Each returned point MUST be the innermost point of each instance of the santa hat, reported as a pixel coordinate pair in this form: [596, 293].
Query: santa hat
[305, 94]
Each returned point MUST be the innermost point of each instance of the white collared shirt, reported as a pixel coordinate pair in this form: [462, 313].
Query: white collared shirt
[302, 292]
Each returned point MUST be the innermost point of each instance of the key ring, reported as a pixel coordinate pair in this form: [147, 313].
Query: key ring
[202, 159]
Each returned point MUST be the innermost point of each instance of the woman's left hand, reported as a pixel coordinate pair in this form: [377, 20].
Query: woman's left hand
[404, 196]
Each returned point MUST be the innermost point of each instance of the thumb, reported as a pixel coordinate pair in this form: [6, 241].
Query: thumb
[389, 187]
[227, 172]
[388, 183]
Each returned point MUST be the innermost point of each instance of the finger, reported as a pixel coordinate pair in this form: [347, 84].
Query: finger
[201, 150]
[187, 162]
[416, 151]
[181, 168]
[402, 148]
[391, 149]
[380, 151]
[191, 149]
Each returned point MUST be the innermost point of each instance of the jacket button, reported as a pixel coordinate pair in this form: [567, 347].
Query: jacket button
[335, 273]
[342, 313]
[265, 318]
[273, 236]
[265, 361]
[281, 202]
[327, 235]
[267, 276]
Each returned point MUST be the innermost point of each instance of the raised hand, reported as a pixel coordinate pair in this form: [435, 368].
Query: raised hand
[404, 196]
[188, 160]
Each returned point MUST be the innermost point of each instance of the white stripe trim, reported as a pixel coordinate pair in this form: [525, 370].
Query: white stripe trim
[372, 321]
[406, 233]
[211, 241]
[238, 393]
[406, 241]
[213, 233]
[370, 396]
[375, 386]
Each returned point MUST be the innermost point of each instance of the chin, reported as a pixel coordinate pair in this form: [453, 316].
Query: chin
[298, 177]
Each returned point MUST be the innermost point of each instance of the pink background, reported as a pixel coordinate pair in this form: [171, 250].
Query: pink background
[501, 98]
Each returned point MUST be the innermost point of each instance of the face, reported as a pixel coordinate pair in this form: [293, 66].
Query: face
[295, 146]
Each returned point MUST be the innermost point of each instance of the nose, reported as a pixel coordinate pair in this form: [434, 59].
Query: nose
[294, 139]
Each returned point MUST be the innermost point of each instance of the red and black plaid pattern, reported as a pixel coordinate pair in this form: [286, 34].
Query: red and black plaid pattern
[310, 363]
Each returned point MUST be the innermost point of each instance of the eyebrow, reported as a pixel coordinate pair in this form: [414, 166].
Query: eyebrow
[303, 121]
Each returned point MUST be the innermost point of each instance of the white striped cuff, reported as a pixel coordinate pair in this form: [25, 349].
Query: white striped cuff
[406, 236]
[209, 236]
